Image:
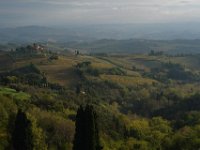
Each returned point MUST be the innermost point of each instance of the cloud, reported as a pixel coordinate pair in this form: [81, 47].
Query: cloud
[97, 11]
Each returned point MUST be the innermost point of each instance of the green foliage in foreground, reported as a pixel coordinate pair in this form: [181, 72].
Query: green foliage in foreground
[54, 128]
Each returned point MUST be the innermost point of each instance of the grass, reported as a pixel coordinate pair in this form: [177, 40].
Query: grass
[122, 64]
[14, 94]
[102, 65]
[128, 80]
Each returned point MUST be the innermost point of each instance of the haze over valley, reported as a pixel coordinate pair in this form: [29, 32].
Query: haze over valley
[99, 75]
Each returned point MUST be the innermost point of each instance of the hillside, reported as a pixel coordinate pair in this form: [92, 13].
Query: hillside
[131, 46]
[137, 46]
[134, 97]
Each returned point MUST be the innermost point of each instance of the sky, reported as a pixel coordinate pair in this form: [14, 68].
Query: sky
[63, 12]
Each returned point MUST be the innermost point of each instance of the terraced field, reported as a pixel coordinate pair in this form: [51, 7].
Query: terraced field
[128, 80]
[62, 71]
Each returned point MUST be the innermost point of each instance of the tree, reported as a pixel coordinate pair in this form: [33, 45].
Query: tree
[79, 136]
[26, 135]
[22, 136]
[87, 133]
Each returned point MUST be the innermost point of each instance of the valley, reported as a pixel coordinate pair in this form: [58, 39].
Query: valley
[141, 100]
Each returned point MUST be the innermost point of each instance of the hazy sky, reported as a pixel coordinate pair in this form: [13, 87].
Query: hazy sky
[60, 12]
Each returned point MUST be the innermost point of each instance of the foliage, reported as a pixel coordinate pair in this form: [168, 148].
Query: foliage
[12, 93]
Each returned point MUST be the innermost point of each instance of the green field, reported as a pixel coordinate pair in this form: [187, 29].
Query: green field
[14, 94]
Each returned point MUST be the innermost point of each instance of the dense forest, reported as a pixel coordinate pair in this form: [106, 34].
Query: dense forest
[75, 101]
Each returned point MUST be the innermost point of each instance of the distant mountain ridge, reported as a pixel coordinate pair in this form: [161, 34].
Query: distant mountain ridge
[97, 32]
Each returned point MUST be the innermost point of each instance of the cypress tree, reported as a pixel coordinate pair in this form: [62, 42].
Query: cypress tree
[79, 135]
[98, 145]
[22, 135]
[87, 134]
[90, 141]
